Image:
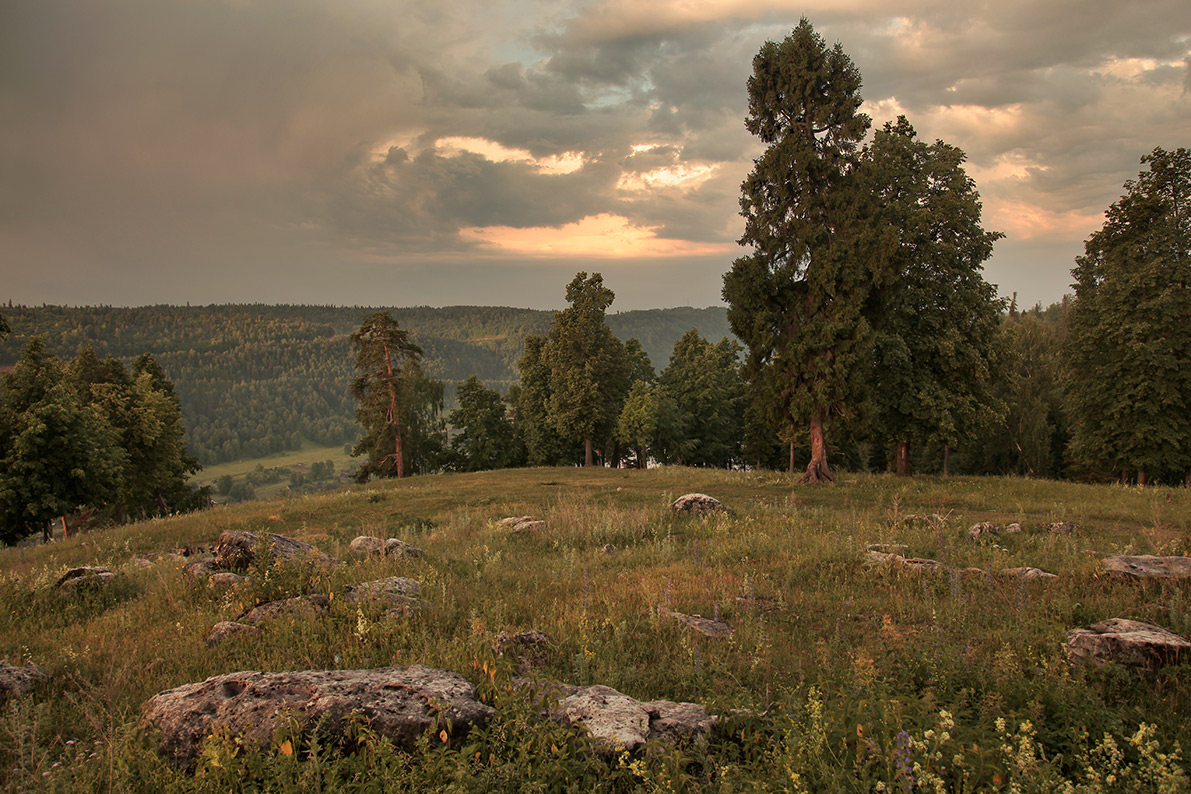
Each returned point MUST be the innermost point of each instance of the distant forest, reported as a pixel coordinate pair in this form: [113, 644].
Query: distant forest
[254, 380]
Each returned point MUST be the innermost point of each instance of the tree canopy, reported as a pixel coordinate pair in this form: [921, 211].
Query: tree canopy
[1129, 346]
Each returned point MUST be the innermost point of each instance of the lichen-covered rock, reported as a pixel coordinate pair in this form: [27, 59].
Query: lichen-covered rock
[225, 580]
[199, 570]
[983, 529]
[699, 503]
[238, 549]
[1145, 566]
[308, 606]
[18, 681]
[367, 546]
[85, 577]
[916, 564]
[708, 627]
[1013, 529]
[228, 629]
[1130, 643]
[1027, 573]
[620, 722]
[529, 648]
[399, 548]
[398, 703]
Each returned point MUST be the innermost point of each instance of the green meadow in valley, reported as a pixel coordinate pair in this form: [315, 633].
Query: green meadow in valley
[841, 675]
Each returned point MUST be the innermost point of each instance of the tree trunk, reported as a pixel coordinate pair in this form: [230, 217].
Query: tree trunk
[47, 532]
[1141, 478]
[791, 457]
[946, 460]
[587, 458]
[65, 528]
[394, 417]
[817, 470]
[903, 459]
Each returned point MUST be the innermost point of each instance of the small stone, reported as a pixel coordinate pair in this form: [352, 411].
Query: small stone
[530, 526]
[1013, 529]
[514, 520]
[888, 548]
[225, 580]
[608, 548]
[1060, 528]
[705, 626]
[699, 503]
[19, 681]
[1027, 573]
[399, 548]
[983, 528]
[227, 629]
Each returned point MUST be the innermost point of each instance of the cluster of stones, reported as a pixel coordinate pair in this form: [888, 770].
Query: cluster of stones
[368, 546]
[878, 553]
[987, 529]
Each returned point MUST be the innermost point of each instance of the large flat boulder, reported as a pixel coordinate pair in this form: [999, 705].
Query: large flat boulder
[1145, 566]
[399, 703]
[1129, 643]
[237, 549]
[619, 722]
[86, 577]
[309, 606]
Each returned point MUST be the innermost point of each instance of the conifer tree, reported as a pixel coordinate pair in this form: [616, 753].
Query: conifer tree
[935, 317]
[1129, 342]
[544, 446]
[797, 301]
[484, 437]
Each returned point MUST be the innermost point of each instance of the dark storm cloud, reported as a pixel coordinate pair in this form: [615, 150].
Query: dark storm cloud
[262, 145]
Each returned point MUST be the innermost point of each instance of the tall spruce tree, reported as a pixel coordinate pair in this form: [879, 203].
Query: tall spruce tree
[589, 369]
[484, 437]
[797, 301]
[1129, 342]
[544, 446]
[935, 317]
[701, 400]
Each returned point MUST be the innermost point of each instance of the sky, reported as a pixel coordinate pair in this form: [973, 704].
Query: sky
[399, 153]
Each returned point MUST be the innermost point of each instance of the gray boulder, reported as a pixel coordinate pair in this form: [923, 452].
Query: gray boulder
[199, 570]
[982, 529]
[399, 703]
[227, 629]
[399, 548]
[225, 580]
[367, 546]
[708, 627]
[1146, 566]
[306, 606]
[699, 503]
[84, 578]
[236, 550]
[618, 722]
[1129, 643]
[18, 681]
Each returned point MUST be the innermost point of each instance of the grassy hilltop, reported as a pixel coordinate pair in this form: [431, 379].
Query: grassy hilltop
[858, 677]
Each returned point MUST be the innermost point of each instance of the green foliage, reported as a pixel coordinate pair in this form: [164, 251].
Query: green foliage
[700, 398]
[398, 406]
[531, 398]
[935, 317]
[797, 301]
[637, 426]
[590, 370]
[484, 435]
[1129, 347]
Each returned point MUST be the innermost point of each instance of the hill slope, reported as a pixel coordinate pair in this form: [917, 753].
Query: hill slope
[866, 673]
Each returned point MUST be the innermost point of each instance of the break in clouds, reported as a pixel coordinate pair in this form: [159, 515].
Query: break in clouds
[461, 152]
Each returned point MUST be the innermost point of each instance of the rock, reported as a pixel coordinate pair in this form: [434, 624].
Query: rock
[983, 528]
[1013, 529]
[227, 629]
[618, 722]
[705, 626]
[398, 703]
[1148, 567]
[1026, 573]
[1130, 643]
[310, 606]
[608, 548]
[532, 525]
[237, 550]
[513, 521]
[85, 577]
[1060, 528]
[699, 503]
[530, 648]
[225, 580]
[888, 548]
[382, 588]
[399, 548]
[18, 681]
[199, 570]
[367, 546]
[918, 564]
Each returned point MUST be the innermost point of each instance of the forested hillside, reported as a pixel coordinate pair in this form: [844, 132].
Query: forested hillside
[254, 380]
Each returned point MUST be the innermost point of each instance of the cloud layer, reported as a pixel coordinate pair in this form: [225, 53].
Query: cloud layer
[366, 151]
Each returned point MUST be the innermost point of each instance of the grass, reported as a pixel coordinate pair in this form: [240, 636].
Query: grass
[297, 460]
[870, 679]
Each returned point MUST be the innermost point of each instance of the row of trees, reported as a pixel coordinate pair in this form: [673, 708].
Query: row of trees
[89, 433]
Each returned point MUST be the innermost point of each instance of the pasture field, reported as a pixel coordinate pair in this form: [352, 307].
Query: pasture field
[841, 675]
